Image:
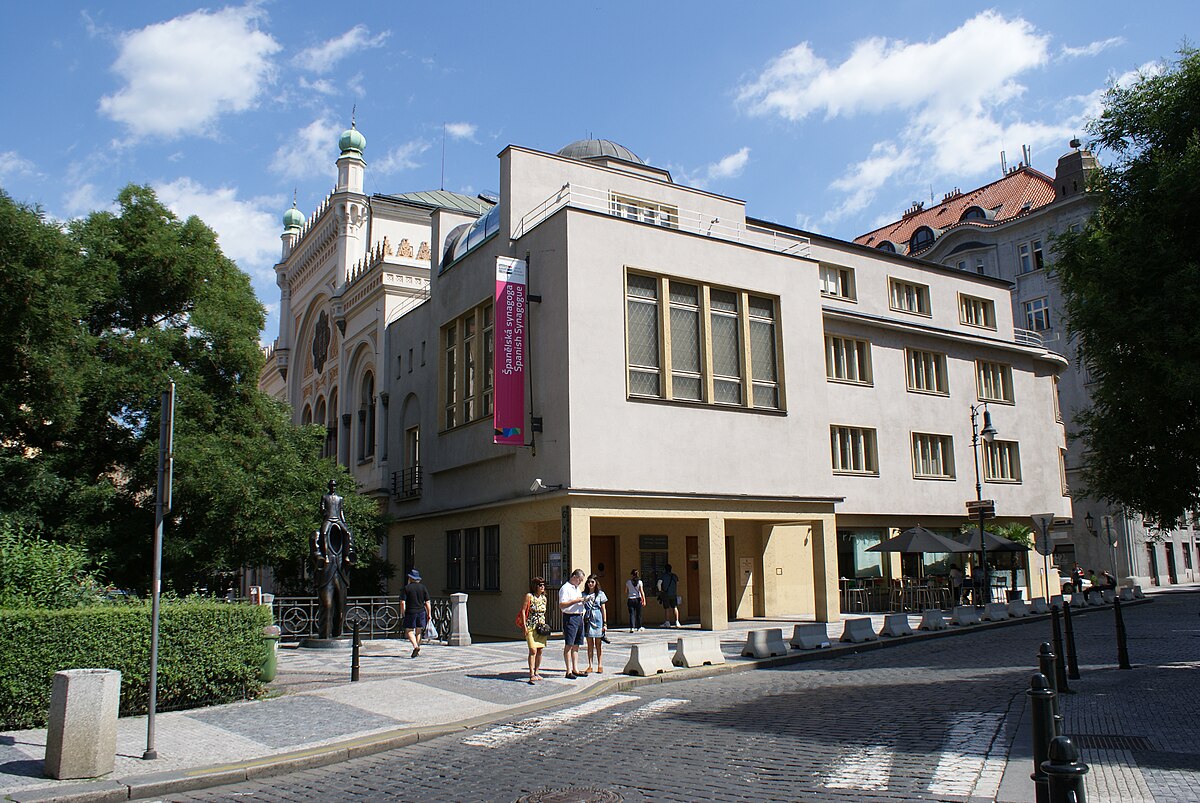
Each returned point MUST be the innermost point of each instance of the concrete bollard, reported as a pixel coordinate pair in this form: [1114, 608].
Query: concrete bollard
[1038, 605]
[648, 659]
[858, 630]
[1094, 598]
[1047, 665]
[1078, 600]
[933, 620]
[1056, 601]
[1018, 609]
[698, 651]
[1126, 595]
[995, 612]
[810, 636]
[1138, 593]
[896, 624]
[1064, 772]
[765, 643]
[81, 737]
[965, 615]
[1072, 655]
[1041, 705]
[1108, 595]
[460, 627]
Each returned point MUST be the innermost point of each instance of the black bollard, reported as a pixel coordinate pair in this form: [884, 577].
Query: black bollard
[355, 645]
[1064, 772]
[1122, 647]
[1072, 655]
[1048, 666]
[1041, 704]
[1060, 665]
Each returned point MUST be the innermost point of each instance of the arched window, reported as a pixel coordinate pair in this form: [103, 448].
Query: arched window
[886, 245]
[366, 418]
[974, 213]
[921, 238]
[320, 417]
[306, 416]
[331, 431]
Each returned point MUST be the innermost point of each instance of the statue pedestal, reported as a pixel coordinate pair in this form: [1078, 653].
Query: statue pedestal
[326, 643]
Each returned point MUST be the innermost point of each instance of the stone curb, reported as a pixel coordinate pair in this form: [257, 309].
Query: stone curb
[140, 787]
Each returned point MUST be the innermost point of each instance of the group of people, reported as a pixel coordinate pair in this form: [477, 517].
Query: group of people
[1102, 580]
[584, 607]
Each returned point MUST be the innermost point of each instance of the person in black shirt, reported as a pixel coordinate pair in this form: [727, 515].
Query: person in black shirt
[415, 608]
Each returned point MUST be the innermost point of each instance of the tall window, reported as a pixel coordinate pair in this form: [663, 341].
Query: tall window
[976, 311]
[1030, 256]
[454, 559]
[847, 359]
[473, 563]
[1062, 472]
[933, 456]
[491, 558]
[995, 381]
[853, 450]
[837, 282]
[926, 372]
[468, 349]
[471, 557]
[366, 418]
[410, 553]
[1001, 461]
[1037, 314]
[692, 342]
[909, 297]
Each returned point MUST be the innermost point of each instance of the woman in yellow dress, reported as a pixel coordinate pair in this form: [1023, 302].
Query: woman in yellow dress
[533, 620]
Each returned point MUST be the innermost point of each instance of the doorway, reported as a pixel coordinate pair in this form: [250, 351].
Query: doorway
[1153, 564]
[1172, 572]
[692, 600]
[604, 566]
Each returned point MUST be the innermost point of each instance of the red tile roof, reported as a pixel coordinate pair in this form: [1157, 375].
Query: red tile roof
[1018, 193]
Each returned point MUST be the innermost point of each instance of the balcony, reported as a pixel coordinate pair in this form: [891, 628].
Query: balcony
[664, 216]
[406, 483]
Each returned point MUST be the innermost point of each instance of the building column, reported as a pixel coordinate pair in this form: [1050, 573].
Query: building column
[825, 573]
[577, 540]
[714, 607]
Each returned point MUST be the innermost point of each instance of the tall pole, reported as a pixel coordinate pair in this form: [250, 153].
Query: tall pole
[987, 582]
[1112, 545]
[162, 506]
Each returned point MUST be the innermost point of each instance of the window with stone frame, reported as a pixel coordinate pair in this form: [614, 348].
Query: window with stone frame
[468, 355]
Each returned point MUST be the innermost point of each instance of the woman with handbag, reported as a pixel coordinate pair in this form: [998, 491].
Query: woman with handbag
[594, 622]
[532, 620]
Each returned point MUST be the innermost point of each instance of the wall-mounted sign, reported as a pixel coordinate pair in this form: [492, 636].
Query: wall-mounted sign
[652, 543]
[508, 416]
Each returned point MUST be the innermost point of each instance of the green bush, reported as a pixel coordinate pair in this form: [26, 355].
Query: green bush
[209, 653]
[36, 573]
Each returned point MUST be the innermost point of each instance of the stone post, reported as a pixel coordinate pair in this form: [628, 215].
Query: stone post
[460, 628]
[81, 736]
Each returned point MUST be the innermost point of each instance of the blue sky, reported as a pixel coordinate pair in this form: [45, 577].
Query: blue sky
[830, 120]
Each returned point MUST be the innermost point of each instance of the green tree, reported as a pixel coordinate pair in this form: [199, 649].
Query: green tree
[140, 296]
[1131, 280]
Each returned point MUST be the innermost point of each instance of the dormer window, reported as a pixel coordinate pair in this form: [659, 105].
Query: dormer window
[921, 238]
[974, 213]
[886, 245]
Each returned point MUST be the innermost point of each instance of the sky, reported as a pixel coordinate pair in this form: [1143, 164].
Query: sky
[830, 118]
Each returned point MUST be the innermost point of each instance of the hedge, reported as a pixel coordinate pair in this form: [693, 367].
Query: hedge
[209, 653]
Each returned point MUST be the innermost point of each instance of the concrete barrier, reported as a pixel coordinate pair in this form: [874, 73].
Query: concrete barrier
[1056, 601]
[858, 630]
[1138, 593]
[896, 624]
[1108, 595]
[1094, 598]
[1127, 595]
[765, 643]
[995, 612]
[1078, 601]
[965, 615]
[1018, 609]
[813, 636]
[933, 620]
[698, 651]
[1038, 605]
[81, 734]
[649, 659]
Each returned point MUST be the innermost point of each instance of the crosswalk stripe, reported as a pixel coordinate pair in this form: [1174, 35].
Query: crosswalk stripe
[964, 753]
[509, 732]
[866, 767]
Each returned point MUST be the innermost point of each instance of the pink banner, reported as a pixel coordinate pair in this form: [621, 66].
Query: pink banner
[508, 416]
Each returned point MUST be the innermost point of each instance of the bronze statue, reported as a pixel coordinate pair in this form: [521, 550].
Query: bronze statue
[332, 555]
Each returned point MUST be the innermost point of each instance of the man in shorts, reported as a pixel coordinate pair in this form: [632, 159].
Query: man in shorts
[668, 595]
[570, 602]
[416, 609]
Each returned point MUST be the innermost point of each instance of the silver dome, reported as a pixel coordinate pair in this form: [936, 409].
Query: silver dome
[595, 148]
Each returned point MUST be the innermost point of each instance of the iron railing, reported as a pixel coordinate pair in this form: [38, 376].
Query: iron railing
[406, 483]
[377, 617]
[1027, 337]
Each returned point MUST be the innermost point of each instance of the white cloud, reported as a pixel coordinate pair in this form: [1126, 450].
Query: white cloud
[731, 166]
[183, 74]
[322, 86]
[1092, 48]
[862, 181]
[310, 152]
[402, 157]
[85, 199]
[323, 57]
[247, 230]
[11, 164]
[461, 130]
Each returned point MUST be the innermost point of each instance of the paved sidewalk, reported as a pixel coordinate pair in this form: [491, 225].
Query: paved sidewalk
[321, 718]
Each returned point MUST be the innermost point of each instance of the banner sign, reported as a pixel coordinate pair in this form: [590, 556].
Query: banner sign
[508, 416]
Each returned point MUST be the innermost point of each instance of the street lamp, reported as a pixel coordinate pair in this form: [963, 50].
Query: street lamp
[988, 433]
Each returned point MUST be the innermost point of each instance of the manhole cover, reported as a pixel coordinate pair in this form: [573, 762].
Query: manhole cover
[572, 794]
[1110, 741]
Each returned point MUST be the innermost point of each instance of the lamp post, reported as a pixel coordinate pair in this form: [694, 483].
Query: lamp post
[988, 433]
[1107, 521]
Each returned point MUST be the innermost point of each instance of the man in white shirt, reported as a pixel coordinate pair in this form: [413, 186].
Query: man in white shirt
[570, 602]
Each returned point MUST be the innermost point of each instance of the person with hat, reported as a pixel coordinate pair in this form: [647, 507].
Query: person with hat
[415, 609]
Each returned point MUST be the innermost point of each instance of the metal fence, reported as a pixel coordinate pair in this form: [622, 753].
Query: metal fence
[377, 617]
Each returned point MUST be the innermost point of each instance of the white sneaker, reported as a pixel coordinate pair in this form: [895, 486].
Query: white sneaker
[678, 625]
[666, 625]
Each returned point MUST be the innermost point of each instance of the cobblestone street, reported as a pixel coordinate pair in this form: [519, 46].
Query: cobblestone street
[925, 721]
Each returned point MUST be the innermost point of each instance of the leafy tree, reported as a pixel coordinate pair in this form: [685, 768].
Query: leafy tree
[139, 296]
[37, 573]
[1131, 280]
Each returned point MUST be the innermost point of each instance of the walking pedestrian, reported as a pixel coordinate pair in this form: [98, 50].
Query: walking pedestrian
[635, 599]
[956, 584]
[595, 622]
[570, 602]
[532, 619]
[668, 595]
[416, 608]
